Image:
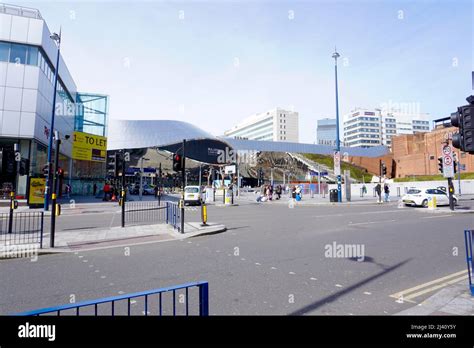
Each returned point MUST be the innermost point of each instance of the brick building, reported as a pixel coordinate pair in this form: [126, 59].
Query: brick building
[417, 154]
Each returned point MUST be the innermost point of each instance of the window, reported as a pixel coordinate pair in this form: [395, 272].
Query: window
[4, 51]
[32, 56]
[18, 54]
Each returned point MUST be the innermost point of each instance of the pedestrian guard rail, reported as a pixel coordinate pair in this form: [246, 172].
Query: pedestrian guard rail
[151, 302]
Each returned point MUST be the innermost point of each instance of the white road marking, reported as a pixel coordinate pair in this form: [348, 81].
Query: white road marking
[313, 278]
[338, 286]
[258, 264]
[438, 216]
[291, 273]
[102, 277]
[96, 271]
[274, 268]
[85, 261]
[371, 222]
[367, 293]
[242, 259]
[361, 213]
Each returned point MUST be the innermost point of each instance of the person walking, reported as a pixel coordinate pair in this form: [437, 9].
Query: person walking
[378, 190]
[278, 192]
[94, 189]
[106, 191]
[386, 190]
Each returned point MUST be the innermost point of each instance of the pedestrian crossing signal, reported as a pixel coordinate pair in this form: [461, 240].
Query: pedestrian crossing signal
[440, 164]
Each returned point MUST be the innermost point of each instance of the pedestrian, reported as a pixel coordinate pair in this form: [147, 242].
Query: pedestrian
[68, 191]
[378, 190]
[364, 190]
[106, 191]
[278, 192]
[156, 191]
[386, 190]
[94, 189]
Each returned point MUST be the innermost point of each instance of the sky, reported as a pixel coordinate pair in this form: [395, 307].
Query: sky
[215, 63]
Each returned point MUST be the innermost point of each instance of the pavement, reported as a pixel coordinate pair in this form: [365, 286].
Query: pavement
[455, 299]
[92, 239]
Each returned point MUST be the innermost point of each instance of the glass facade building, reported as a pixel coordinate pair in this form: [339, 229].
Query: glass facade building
[27, 68]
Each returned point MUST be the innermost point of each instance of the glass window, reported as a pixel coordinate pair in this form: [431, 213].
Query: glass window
[32, 56]
[4, 50]
[18, 54]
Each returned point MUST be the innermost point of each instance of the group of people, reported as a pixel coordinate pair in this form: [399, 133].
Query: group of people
[386, 190]
[268, 192]
[111, 192]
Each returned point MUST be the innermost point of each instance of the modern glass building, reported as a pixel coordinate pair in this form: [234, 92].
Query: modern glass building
[27, 68]
[326, 132]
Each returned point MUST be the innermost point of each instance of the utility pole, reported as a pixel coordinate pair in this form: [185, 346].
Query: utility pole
[183, 179]
[124, 192]
[55, 190]
[338, 142]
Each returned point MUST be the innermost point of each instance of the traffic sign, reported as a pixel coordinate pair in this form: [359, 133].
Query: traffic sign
[337, 163]
[448, 161]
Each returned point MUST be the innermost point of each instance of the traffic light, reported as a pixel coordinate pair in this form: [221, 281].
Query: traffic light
[112, 165]
[24, 166]
[177, 163]
[440, 164]
[384, 170]
[464, 120]
[455, 162]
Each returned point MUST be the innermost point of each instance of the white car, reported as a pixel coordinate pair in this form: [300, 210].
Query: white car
[420, 197]
[192, 195]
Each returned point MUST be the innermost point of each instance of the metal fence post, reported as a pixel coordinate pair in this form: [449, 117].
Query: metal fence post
[41, 230]
[204, 299]
[10, 218]
[470, 266]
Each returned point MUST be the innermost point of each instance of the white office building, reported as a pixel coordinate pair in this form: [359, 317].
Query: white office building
[27, 66]
[274, 125]
[373, 127]
[326, 132]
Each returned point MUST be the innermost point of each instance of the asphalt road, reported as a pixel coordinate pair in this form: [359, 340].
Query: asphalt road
[272, 260]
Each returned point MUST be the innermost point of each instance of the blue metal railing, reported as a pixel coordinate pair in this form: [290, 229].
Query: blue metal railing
[173, 215]
[468, 237]
[203, 310]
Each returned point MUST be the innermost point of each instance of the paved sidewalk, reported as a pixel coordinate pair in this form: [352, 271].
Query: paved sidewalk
[116, 236]
[455, 299]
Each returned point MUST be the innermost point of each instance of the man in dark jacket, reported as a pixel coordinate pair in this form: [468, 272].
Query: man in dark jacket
[378, 190]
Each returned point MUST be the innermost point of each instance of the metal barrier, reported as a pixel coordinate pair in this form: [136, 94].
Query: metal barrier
[145, 212]
[173, 215]
[468, 237]
[152, 305]
[27, 228]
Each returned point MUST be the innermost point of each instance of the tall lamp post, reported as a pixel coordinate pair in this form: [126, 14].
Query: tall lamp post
[56, 38]
[338, 143]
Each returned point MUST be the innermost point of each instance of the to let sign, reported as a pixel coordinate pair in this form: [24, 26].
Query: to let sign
[89, 147]
[448, 161]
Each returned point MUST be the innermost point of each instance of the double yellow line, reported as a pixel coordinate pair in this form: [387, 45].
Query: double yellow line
[409, 295]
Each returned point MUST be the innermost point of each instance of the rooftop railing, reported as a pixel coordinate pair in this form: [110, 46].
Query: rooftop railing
[20, 11]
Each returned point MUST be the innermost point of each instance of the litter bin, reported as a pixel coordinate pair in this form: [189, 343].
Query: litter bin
[333, 195]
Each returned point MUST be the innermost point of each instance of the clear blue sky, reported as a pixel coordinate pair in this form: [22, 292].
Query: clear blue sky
[155, 64]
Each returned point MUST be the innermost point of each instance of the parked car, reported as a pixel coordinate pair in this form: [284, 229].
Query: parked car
[420, 197]
[192, 195]
[147, 190]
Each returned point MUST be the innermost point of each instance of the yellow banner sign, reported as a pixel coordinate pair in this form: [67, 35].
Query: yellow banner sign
[89, 147]
[36, 195]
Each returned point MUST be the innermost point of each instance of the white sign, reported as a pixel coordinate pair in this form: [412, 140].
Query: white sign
[337, 163]
[448, 160]
[229, 169]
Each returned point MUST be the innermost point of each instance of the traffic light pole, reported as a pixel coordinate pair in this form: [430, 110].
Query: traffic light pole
[451, 191]
[55, 192]
[124, 193]
[183, 178]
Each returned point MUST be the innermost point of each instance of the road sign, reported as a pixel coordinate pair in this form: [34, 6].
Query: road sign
[337, 163]
[448, 160]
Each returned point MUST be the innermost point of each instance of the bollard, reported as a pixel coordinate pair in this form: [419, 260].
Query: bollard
[204, 214]
[398, 191]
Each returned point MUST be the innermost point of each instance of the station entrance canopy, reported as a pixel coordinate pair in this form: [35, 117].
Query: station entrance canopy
[203, 147]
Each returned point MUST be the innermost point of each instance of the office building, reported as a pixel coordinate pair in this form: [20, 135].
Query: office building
[274, 125]
[373, 127]
[326, 132]
[27, 68]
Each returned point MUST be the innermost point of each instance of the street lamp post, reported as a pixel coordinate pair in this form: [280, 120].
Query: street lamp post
[57, 39]
[338, 143]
